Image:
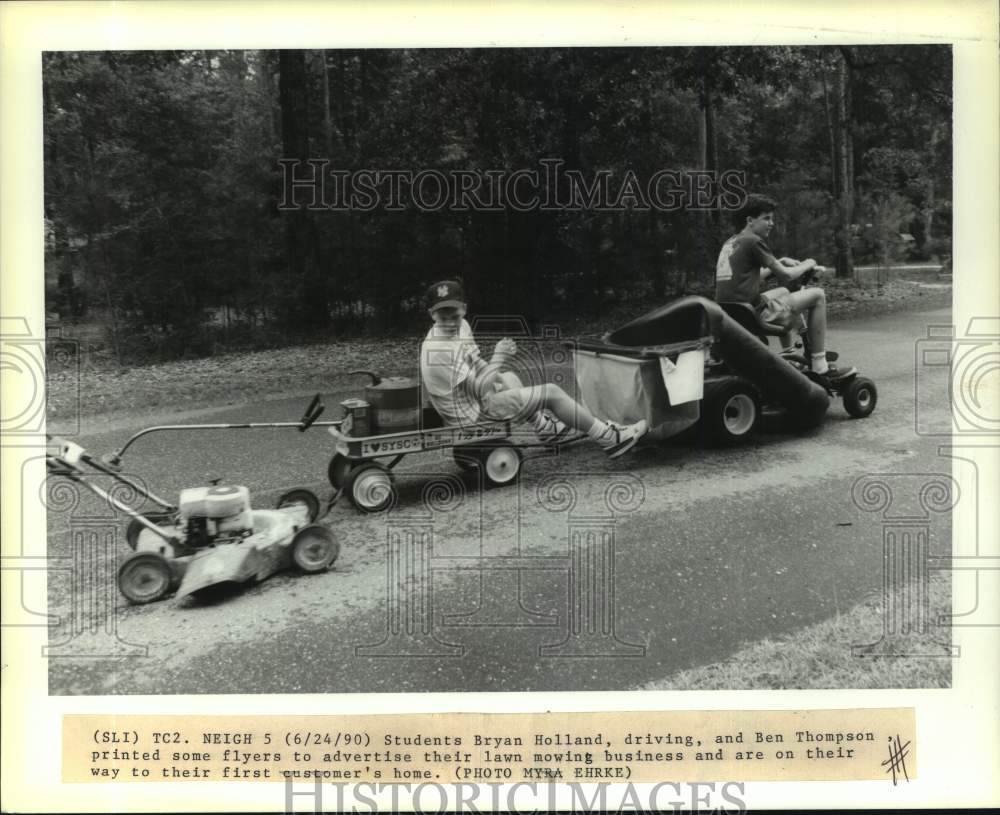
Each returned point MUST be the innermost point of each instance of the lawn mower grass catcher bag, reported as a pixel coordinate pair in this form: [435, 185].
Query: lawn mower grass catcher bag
[662, 385]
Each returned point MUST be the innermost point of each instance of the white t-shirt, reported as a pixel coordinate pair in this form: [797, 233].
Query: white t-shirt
[445, 365]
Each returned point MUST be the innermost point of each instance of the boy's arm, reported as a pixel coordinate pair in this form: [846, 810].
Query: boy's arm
[786, 273]
[765, 273]
[486, 373]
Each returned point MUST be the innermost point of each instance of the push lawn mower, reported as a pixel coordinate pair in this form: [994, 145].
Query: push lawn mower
[211, 537]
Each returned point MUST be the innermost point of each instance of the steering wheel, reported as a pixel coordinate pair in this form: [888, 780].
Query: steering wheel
[805, 278]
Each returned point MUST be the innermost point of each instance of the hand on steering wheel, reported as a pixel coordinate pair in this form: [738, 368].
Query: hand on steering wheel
[808, 275]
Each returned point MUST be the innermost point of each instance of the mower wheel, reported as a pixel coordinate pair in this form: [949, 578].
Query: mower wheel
[301, 497]
[135, 527]
[314, 549]
[371, 487]
[860, 397]
[730, 410]
[144, 577]
[339, 470]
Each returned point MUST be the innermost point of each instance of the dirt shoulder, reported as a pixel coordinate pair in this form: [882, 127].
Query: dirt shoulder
[98, 388]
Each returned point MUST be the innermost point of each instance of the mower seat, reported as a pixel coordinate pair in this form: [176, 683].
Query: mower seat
[747, 317]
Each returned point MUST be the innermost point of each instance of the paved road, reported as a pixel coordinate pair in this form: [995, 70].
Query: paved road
[693, 554]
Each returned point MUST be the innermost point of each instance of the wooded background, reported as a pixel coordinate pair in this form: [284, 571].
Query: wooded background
[162, 179]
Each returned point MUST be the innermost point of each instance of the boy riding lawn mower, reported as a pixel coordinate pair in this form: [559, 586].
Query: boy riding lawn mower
[858, 393]
[742, 374]
[210, 538]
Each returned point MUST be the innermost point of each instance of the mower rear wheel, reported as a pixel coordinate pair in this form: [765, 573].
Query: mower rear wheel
[301, 497]
[730, 410]
[860, 397]
[371, 487]
[314, 549]
[135, 526]
[145, 577]
[339, 470]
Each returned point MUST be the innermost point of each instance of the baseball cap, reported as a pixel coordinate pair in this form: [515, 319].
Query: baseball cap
[445, 293]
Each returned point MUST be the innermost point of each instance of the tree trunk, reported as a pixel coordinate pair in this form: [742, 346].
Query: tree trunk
[844, 166]
[929, 198]
[702, 135]
[708, 145]
[327, 120]
[310, 307]
[831, 134]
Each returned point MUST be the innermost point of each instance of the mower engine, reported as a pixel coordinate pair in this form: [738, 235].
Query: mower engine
[211, 515]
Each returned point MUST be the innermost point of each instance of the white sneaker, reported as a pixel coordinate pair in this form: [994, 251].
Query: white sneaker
[551, 430]
[620, 439]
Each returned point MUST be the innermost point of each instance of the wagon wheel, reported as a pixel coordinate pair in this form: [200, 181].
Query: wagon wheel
[371, 487]
[314, 549]
[339, 470]
[144, 577]
[303, 498]
[501, 464]
[466, 457]
[730, 410]
[860, 397]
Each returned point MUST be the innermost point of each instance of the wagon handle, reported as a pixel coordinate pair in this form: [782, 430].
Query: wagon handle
[376, 378]
[313, 412]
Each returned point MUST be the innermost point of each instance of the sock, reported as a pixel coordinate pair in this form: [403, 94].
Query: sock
[819, 365]
[598, 430]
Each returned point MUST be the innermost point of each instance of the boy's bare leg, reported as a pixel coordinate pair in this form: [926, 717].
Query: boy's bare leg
[812, 303]
[615, 440]
[561, 405]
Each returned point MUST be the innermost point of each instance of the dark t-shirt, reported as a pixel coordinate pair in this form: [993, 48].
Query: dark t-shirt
[737, 272]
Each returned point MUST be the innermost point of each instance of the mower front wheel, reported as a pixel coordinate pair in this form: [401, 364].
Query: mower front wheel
[145, 577]
[860, 397]
[314, 549]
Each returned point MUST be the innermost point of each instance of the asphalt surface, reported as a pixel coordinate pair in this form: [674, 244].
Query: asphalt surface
[693, 554]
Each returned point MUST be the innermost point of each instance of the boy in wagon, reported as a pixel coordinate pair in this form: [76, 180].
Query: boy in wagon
[465, 389]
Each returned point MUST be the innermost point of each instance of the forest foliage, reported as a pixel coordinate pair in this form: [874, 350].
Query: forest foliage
[164, 181]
